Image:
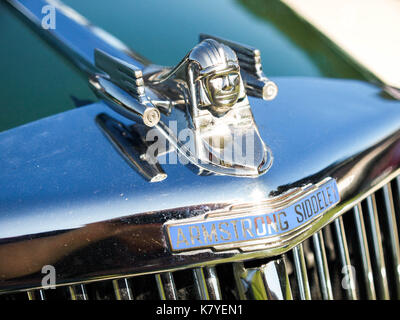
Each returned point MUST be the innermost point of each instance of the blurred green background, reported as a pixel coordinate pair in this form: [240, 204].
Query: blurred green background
[35, 81]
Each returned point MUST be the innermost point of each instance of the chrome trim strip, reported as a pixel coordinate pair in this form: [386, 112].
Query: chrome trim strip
[80, 52]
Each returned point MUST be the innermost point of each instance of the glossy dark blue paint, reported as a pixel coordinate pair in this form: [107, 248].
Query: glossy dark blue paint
[61, 172]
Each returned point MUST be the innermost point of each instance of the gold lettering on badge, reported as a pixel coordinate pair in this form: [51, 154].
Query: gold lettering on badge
[247, 230]
[257, 222]
[224, 231]
[209, 236]
[270, 224]
[234, 222]
[181, 238]
[194, 236]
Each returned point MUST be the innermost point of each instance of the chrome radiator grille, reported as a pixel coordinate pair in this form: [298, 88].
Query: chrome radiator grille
[357, 256]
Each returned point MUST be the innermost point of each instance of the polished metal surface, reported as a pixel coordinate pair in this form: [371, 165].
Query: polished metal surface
[393, 236]
[130, 143]
[364, 250]
[212, 282]
[200, 284]
[122, 289]
[123, 88]
[78, 292]
[101, 211]
[255, 81]
[246, 227]
[378, 256]
[36, 295]
[204, 93]
[347, 270]
[301, 272]
[267, 282]
[260, 280]
[322, 266]
[63, 172]
[75, 36]
[166, 286]
[203, 96]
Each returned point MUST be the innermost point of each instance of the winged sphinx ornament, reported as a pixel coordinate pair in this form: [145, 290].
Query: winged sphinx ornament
[205, 97]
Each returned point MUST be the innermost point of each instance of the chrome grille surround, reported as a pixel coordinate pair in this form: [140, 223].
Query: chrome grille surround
[351, 258]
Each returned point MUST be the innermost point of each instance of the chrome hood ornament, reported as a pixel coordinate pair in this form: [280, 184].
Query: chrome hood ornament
[199, 107]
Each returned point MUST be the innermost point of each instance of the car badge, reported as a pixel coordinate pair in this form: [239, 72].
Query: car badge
[203, 99]
[254, 227]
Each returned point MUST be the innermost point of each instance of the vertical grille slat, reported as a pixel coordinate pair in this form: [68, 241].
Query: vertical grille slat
[242, 287]
[322, 266]
[36, 295]
[166, 286]
[122, 289]
[200, 284]
[345, 259]
[377, 249]
[364, 252]
[78, 292]
[393, 237]
[301, 272]
[267, 282]
[212, 283]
